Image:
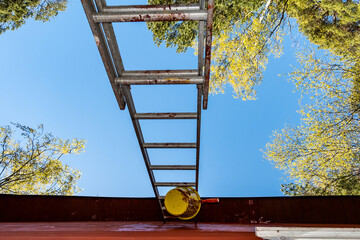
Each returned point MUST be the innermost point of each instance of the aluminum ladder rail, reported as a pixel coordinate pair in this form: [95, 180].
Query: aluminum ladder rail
[100, 17]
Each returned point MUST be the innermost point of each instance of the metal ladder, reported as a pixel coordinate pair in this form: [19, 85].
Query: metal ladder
[101, 17]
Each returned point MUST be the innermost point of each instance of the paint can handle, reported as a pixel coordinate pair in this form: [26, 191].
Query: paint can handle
[210, 200]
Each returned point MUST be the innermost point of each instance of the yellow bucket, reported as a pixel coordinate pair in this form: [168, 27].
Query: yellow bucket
[183, 202]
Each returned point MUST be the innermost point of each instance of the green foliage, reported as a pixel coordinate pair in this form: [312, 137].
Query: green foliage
[240, 53]
[33, 166]
[331, 24]
[183, 34]
[14, 13]
[245, 33]
[321, 156]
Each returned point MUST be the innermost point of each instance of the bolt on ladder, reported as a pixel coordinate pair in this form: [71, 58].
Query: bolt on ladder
[100, 17]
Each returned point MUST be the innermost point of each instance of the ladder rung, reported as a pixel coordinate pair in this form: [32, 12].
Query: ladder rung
[189, 115]
[175, 184]
[158, 73]
[146, 8]
[161, 197]
[153, 80]
[169, 145]
[173, 167]
[150, 16]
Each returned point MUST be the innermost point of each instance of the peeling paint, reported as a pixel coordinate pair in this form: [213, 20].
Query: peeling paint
[97, 40]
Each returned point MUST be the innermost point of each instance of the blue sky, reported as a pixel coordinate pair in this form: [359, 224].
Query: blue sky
[52, 73]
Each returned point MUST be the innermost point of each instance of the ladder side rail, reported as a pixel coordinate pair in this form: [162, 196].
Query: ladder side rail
[114, 49]
[201, 42]
[89, 9]
[198, 128]
[111, 41]
[209, 26]
[140, 137]
[112, 44]
[199, 93]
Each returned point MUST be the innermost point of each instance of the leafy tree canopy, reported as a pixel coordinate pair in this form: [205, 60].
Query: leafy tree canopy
[245, 33]
[321, 156]
[182, 34]
[33, 165]
[14, 13]
[330, 24]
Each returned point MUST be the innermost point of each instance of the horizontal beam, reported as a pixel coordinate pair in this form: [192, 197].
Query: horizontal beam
[173, 167]
[175, 184]
[155, 7]
[157, 73]
[184, 115]
[150, 16]
[169, 145]
[153, 80]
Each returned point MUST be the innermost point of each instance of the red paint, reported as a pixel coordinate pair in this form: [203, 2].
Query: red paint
[134, 230]
[210, 200]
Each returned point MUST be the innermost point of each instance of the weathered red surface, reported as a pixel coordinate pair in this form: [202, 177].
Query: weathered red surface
[125, 230]
[136, 230]
[264, 210]
[270, 210]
